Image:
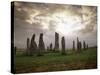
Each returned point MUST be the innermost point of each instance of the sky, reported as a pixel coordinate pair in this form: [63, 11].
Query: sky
[70, 21]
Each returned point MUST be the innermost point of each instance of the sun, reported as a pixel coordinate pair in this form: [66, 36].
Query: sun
[63, 28]
[66, 24]
[68, 28]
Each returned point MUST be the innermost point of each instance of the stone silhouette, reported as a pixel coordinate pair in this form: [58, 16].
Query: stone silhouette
[80, 46]
[41, 46]
[77, 44]
[56, 48]
[73, 45]
[63, 45]
[33, 45]
[84, 45]
[28, 46]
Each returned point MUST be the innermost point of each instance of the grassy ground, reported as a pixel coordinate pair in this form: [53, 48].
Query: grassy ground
[56, 62]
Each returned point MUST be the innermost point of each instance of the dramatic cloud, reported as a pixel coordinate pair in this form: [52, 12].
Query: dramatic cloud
[70, 21]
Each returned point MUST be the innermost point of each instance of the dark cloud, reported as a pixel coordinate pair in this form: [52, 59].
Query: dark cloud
[90, 20]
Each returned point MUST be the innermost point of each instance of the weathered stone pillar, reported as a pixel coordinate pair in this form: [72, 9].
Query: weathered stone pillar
[63, 45]
[28, 46]
[80, 46]
[77, 44]
[41, 45]
[56, 48]
[84, 45]
[73, 45]
[33, 46]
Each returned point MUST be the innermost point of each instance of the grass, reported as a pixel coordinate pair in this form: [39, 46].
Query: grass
[56, 62]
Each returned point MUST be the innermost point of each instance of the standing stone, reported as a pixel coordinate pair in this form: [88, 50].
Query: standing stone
[28, 46]
[80, 46]
[63, 45]
[51, 47]
[33, 45]
[73, 45]
[41, 45]
[84, 45]
[56, 48]
[77, 44]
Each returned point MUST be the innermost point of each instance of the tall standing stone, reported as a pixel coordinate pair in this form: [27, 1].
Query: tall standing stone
[56, 48]
[77, 44]
[63, 45]
[33, 45]
[80, 46]
[73, 45]
[84, 45]
[28, 46]
[41, 45]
